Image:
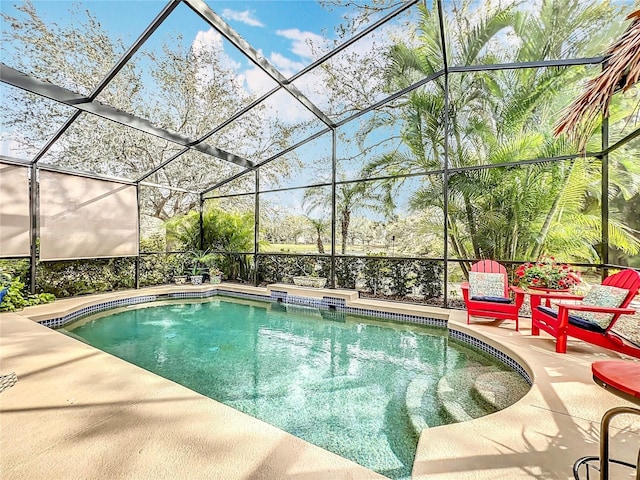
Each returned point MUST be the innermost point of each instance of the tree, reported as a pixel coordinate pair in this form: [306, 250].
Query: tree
[278, 228]
[350, 197]
[496, 117]
[319, 226]
[182, 85]
[227, 234]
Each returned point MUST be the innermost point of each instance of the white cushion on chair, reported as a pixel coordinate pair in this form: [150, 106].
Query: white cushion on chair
[483, 284]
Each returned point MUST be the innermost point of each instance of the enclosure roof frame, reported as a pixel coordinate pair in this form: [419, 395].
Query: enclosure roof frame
[89, 104]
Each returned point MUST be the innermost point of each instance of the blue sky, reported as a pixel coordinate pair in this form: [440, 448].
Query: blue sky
[277, 28]
[280, 30]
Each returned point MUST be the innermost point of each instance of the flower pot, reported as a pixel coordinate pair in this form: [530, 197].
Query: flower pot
[196, 279]
[306, 281]
[215, 278]
[180, 279]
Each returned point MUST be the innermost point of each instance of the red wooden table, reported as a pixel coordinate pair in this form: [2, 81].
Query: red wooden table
[537, 293]
[622, 378]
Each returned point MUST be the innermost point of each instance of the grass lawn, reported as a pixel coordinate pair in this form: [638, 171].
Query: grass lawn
[290, 248]
[313, 248]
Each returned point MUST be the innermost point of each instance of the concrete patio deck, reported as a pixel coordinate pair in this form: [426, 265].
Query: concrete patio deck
[77, 412]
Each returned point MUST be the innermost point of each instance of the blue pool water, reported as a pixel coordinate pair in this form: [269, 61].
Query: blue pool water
[338, 381]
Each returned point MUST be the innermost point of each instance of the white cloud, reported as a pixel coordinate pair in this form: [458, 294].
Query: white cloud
[315, 84]
[285, 65]
[247, 17]
[257, 81]
[254, 81]
[211, 41]
[302, 41]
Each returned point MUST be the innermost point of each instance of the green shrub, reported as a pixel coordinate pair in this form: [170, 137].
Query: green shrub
[347, 271]
[429, 277]
[376, 271]
[15, 268]
[400, 278]
[228, 233]
[282, 269]
[81, 277]
[158, 268]
[17, 296]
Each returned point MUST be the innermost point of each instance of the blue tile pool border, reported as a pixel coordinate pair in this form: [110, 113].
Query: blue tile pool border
[491, 350]
[324, 303]
[98, 307]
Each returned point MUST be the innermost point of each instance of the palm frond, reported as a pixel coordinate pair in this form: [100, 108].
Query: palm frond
[621, 72]
[624, 238]
[478, 36]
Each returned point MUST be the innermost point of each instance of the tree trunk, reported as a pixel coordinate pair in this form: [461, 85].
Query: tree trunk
[458, 248]
[319, 242]
[346, 219]
[471, 222]
[537, 249]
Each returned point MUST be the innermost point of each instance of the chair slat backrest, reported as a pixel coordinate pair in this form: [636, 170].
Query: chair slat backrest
[491, 266]
[627, 279]
[488, 266]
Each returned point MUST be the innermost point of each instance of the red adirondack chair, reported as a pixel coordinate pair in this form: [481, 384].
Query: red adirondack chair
[566, 320]
[495, 301]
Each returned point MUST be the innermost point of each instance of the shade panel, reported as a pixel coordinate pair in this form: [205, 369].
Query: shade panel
[14, 211]
[86, 218]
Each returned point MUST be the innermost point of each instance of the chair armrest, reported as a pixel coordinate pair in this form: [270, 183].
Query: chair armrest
[519, 294]
[465, 292]
[596, 309]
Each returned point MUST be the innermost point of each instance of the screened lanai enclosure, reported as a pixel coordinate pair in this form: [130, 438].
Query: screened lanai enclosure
[382, 145]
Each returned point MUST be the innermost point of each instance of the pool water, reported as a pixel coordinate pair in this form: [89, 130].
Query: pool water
[345, 383]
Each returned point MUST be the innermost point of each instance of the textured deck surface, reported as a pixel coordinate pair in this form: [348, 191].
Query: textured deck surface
[80, 413]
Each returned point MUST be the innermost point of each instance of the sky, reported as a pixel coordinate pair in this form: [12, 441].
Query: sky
[279, 30]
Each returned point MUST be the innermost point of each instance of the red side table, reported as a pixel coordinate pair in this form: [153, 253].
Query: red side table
[536, 294]
[622, 378]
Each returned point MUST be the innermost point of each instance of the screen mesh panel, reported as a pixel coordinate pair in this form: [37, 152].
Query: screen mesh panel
[14, 211]
[86, 218]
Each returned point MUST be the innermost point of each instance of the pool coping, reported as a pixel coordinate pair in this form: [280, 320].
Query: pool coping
[471, 449]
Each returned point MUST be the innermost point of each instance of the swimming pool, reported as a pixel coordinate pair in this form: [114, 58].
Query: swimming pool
[356, 386]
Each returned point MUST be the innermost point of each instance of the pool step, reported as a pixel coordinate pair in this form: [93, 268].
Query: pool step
[414, 395]
[500, 389]
[456, 393]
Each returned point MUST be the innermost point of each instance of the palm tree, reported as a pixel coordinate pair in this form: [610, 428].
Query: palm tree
[620, 73]
[350, 197]
[496, 117]
[319, 226]
[229, 235]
